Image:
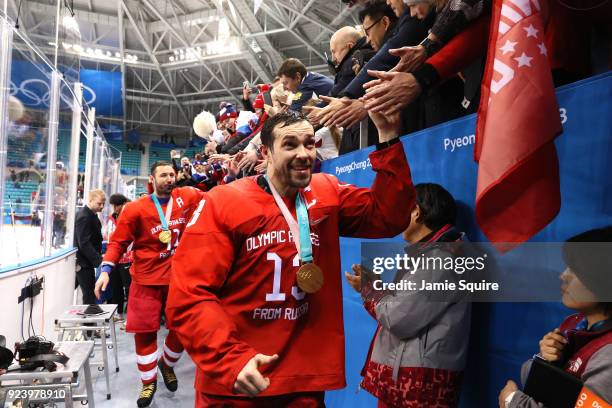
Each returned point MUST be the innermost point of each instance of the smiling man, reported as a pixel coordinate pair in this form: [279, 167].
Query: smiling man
[255, 294]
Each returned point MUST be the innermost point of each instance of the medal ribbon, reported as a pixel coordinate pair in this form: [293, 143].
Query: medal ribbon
[300, 229]
[163, 219]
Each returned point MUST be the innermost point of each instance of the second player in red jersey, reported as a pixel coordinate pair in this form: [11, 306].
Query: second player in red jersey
[154, 224]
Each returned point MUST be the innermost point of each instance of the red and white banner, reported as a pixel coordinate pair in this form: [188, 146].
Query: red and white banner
[518, 119]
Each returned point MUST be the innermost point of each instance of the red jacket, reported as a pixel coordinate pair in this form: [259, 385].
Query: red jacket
[233, 291]
[139, 223]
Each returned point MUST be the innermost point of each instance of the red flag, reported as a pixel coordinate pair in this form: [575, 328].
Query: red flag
[518, 119]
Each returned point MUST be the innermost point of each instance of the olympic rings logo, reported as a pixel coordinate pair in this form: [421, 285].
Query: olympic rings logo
[36, 92]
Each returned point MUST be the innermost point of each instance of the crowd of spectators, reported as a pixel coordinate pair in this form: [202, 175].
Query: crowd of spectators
[420, 59]
[137, 146]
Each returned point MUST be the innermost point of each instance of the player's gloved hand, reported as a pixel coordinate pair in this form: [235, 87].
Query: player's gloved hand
[103, 279]
[250, 381]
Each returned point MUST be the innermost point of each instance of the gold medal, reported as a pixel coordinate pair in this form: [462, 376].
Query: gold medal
[165, 236]
[310, 278]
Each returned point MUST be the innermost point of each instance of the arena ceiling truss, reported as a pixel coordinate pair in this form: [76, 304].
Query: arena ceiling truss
[179, 57]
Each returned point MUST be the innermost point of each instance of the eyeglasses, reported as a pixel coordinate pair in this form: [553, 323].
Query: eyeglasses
[371, 25]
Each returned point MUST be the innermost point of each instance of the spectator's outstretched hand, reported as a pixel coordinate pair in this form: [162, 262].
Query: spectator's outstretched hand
[218, 158]
[328, 112]
[390, 92]
[232, 167]
[348, 112]
[410, 58]
[261, 166]
[248, 161]
[389, 126]
[312, 113]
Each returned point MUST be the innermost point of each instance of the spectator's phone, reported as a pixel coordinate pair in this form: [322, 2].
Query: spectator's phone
[267, 98]
[362, 56]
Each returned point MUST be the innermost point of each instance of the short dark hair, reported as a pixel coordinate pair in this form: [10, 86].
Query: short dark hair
[438, 207]
[118, 199]
[592, 263]
[376, 10]
[291, 67]
[160, 163]
[281, 119]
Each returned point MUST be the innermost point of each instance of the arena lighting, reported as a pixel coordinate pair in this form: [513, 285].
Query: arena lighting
[223, 31]
[229, 45]
[255, 47]
[97, 52]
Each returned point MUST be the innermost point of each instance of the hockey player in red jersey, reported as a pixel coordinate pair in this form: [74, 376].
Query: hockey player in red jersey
[154, 224]
[255, 294]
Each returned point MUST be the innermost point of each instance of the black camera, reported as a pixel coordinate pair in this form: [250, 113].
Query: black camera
[362, 56]
[32, 347]
[38, 352]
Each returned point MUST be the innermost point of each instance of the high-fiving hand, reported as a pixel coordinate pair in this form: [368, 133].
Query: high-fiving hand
[390, 92]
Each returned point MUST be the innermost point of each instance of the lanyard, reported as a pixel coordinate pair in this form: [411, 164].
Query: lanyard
[300, 229]
[583, 324]
[164, 219]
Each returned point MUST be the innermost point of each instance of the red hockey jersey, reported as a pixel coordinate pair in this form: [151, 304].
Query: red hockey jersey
[233, 291]
[139, 223]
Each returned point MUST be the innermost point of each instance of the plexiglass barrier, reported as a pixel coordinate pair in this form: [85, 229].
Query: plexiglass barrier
[52, 151]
